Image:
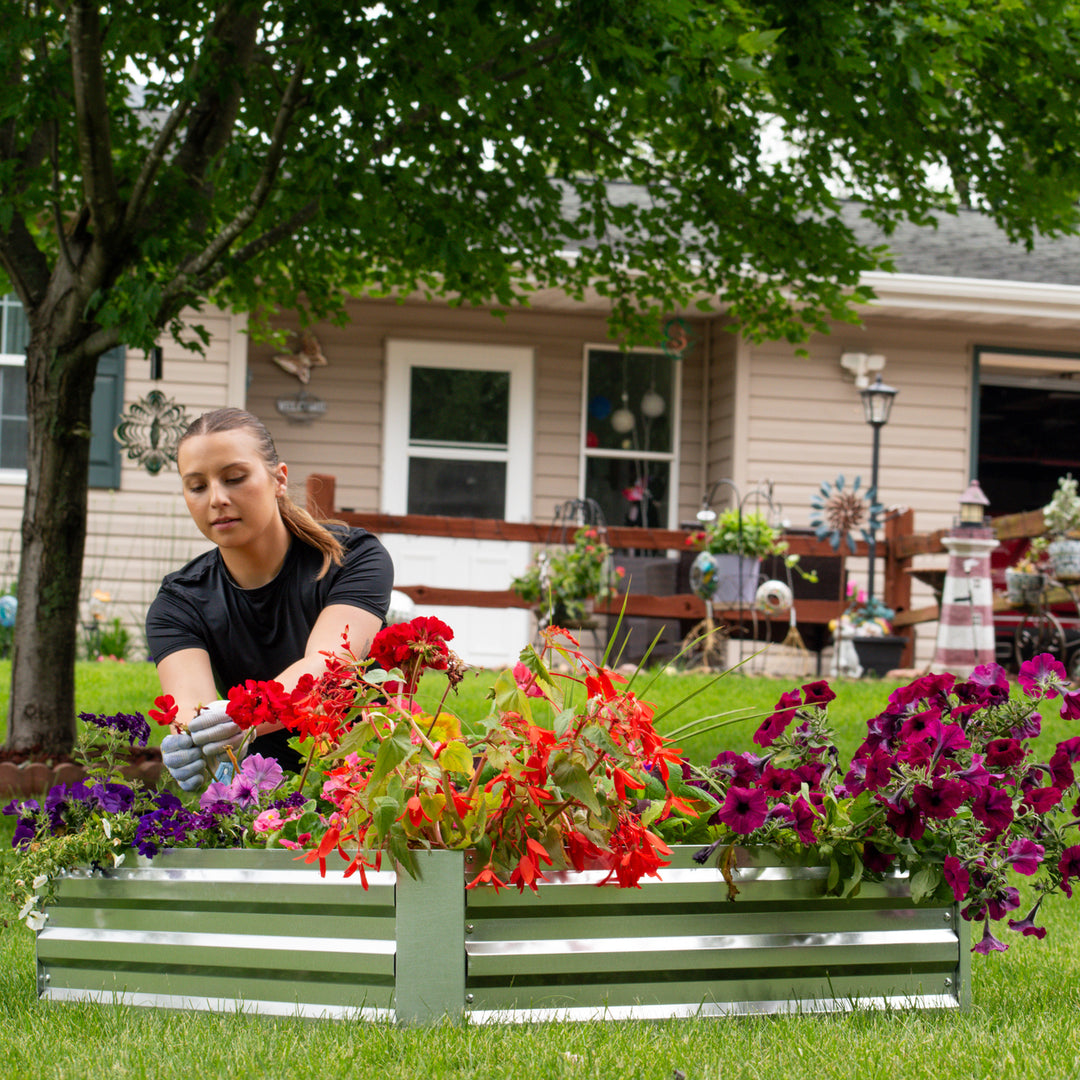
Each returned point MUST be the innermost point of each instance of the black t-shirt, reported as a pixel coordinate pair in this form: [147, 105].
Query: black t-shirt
[257, 633]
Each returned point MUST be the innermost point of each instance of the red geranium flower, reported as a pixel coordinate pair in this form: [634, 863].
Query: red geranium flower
[166, 710]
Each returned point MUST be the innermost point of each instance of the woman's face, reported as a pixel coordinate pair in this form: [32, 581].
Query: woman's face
[230, 493]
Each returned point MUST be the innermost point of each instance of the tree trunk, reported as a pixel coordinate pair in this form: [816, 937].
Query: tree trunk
[41, 713]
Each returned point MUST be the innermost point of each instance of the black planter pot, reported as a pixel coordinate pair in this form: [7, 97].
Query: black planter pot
[879, 655]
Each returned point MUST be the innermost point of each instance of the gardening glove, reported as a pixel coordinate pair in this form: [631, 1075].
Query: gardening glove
[212, 730]
[184, 760]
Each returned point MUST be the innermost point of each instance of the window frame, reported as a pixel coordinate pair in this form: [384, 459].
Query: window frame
[672, 457]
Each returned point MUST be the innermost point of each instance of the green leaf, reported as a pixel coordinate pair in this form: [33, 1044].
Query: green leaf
[456, 757]
[574, 780]
[385, 812]
[923, 883]
[392, 752]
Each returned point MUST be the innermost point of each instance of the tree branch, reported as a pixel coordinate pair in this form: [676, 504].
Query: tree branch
[153, 163]
[232, 37]
[92, 115]
[193, 269]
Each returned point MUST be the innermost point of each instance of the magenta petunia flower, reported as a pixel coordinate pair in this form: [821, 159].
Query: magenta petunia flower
[744, 809]
[1002, 902]
[1029, 728]
[1042, 799]
[1070, 747]
[923, 725]
[777, 782]
[1061, 770]
[957, 876]
[1069, 867]
[951, 739]
[875, 860]
[987, 685]
[878, 770]
[1043, 676]
[941, 799]
[1004, 753]
[1026, 925]
[905, 820]
[776, 725]
[804, 820]
[818, 693]
[1070, 705]
[994, 808]
[215, 792]
[989, 943]
[1025, 855]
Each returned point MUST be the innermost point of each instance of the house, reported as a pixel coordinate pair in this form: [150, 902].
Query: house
[427, 408]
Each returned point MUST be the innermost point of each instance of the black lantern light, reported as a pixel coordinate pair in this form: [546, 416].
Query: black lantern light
[877, 403]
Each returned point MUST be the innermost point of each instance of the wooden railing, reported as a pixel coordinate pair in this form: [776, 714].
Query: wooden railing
[321, 490]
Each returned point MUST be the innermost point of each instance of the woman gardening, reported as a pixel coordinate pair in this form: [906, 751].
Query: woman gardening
[278, 592]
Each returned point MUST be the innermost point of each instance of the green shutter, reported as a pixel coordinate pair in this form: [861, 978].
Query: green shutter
[106, 406]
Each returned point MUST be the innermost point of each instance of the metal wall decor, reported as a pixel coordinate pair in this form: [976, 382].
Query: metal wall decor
[301, 409]
[150, 431]
[308, 355]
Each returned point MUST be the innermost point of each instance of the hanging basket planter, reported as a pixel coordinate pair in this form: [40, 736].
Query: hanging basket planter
[1023, 586]
[225, 930]
[1064, 556]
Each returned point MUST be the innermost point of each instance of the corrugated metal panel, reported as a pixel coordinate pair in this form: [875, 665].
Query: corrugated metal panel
[679, 947]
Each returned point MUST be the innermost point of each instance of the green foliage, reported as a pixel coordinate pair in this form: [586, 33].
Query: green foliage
[106, 640]
[737, 533]
[565, 578]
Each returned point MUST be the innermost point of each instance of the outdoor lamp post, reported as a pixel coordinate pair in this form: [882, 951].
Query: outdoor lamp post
[877, 401]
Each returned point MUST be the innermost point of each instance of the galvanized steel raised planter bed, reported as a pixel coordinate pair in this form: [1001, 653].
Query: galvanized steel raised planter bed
[260, 931]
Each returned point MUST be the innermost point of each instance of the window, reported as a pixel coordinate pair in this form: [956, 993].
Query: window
[1027, 430]
[630, 424]
[106, 404]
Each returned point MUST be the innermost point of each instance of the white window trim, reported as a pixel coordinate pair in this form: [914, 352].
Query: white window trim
[671, 456]
[13, 476]
[401, 356]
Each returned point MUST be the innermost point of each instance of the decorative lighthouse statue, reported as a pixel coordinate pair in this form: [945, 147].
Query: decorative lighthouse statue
[966, 626]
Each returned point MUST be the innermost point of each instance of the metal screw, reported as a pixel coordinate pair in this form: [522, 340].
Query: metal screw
[468, 999]
[468, 858]
[948, 982]
[468, 928]
[48, 978]
[948, 916]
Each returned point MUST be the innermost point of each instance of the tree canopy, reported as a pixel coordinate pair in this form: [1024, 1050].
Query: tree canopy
[157, 154]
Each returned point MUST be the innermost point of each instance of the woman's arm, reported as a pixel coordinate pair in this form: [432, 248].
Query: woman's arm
[188, 676]
[325, 636]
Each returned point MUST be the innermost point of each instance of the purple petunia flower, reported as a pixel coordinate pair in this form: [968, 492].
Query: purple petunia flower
[1026, 925]
[133, 725]
[905, 820]
[1070, 705]
[818, 693]
[113, 798]
[994, 808]
[244, 791]
[215, 792]
[804, 820]
[776, 725]
[265, 773]
[987, 685]
[1002, 902]
[941, 799]
[744, 809]
[989, 943]
[1004, 753]
[1025, 856]
[957, 876]
[1029, 728]
[1043, 676]
[1069, 867]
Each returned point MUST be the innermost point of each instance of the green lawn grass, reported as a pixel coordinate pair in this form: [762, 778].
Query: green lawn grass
[1022, 1023]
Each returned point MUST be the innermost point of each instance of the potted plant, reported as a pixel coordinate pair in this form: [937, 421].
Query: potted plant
[1026, 578]
[731, 549]
[564, 583]
[1062, 516]
[471, 858]
[866, 625]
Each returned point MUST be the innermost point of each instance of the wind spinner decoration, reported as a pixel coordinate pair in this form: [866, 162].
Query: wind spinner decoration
[842, 512]
[308, 355]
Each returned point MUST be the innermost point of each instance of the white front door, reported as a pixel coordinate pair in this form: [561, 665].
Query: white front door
[458, 441]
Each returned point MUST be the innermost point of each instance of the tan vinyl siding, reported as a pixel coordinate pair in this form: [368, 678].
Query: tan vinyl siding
[721, 433]
[346, 442]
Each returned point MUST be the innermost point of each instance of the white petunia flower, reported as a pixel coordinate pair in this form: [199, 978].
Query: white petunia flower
[117, 860]
[106, 826]
[35, 920]
[39, 881]
[31, 903]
